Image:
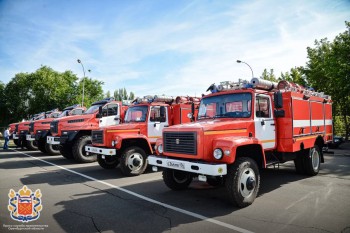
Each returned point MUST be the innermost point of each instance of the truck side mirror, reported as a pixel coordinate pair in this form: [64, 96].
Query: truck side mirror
[192, 112]
[278, 99]
[99, 114]
[67, 113]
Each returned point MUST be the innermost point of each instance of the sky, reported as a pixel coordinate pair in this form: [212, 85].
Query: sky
[155, 47]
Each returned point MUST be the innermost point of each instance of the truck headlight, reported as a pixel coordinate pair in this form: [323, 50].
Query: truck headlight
[160, 148]
[113, 143]
[217, 153]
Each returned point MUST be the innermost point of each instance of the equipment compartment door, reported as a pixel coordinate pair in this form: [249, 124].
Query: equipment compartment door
[158, 119]
[265, 129]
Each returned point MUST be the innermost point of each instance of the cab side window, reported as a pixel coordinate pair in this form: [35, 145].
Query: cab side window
[158, 114]
[262, 107]
[110, 110]
[77, 111]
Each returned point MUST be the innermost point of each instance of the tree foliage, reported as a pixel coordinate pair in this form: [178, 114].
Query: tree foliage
[122, 94]
[45, 89]
[328, 71]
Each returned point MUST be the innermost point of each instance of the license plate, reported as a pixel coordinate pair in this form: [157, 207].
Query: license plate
[93, 149]
[176, 165]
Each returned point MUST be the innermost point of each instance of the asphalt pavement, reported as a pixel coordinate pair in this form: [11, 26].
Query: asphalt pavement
[87, 198]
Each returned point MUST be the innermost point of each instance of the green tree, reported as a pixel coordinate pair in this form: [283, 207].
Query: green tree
[108, 94]
[328, 70]
[122, 94]
[270, 76]
[131, 95]
[46, 89]
[92, 91]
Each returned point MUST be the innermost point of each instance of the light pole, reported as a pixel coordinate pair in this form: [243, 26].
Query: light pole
[239, 61]
[82, 100]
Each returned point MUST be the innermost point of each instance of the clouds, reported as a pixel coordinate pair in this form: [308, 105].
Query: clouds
[153, 48]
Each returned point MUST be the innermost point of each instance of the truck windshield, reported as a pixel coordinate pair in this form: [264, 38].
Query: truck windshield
[226, 106]
[136, 114]
[93, 109]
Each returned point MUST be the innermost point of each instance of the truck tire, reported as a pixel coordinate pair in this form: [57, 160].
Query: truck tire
[243, 181]
[79, 152]
[177, 180]
[133, 161]
[41, 145]
[66, 151]
[109, 162]
[312, 161]
[32, 145]
[52, 149]
[15, 141]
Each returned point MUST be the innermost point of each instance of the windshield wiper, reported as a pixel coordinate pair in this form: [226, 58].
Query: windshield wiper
[220, 115]
[205, 117]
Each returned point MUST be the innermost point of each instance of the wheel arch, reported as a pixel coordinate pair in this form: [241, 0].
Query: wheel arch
[139, 142]
[253, 151]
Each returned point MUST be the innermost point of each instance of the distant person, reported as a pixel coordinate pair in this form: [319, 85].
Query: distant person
[7, 138]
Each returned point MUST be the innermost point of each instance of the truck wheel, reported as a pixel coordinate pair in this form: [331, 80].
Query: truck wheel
[176, 180]
[133, 161]
[15, 141]
[312, 161]
[79, 152]
[243, 181]
[109, 162]
[66, 151]
[32, 145]
[41, 145]
[52, 149]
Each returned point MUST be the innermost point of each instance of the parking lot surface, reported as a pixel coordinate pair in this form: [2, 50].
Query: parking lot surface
[87, 198]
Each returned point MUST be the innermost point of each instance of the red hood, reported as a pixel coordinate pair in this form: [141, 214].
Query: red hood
[76, 117]
[125, 126]
[23, 125]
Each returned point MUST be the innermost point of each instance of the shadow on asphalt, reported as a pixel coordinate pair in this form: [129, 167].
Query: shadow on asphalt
[111, 209]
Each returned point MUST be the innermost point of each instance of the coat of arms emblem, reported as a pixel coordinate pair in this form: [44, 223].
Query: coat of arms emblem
[25, 205]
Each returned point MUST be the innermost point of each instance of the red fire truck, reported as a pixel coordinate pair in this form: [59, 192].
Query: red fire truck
[72, 133]
[130, 143]
[242, 127]
[40, 129]
[20, 131]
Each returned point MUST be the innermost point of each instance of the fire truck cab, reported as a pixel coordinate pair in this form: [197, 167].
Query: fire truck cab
[72, 133]
[242, 127]
[40, 129]
[21, 130]
[130, 143]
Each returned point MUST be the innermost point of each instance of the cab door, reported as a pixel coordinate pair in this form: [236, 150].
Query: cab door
[157, 120]
[265, 129]
[110, 115]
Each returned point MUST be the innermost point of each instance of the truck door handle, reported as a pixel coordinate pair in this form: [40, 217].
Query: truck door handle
[272, 124]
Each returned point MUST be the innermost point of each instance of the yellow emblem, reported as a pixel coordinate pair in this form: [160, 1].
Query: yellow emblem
[25, 205]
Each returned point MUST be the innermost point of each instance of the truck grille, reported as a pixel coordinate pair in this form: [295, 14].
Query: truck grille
[54, 127]
[97, 136]
[31, 127]
[180, 142]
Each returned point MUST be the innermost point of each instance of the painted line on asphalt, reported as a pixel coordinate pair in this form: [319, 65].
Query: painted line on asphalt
[186, 212]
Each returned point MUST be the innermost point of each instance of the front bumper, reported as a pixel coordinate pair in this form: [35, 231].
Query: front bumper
[210, 169]
[101, 151]
[53, 140]
[15, 136]
[30, 137]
